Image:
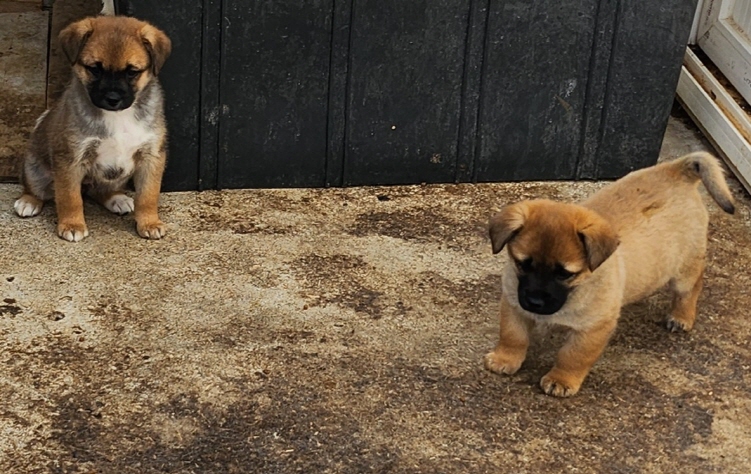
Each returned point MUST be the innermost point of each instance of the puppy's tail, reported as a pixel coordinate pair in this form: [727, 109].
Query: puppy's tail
[703, 166]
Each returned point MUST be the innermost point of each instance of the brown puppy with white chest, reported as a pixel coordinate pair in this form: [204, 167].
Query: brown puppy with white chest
[576, 265]
[107, 128]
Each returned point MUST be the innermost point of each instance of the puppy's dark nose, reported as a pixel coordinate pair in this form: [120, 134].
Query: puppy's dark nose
[113, 99]
[535, 301]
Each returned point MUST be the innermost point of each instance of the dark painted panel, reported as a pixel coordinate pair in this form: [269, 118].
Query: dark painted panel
[646, 60]
[472, 80]
[404, 100]
[534, 88]
[338, 73]
[599, 68]
[315, 93]
[274, 93]
[211, 68]
[181, 80]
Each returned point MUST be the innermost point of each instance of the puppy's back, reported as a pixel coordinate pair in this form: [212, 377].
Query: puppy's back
[660, 217]
[670, 184]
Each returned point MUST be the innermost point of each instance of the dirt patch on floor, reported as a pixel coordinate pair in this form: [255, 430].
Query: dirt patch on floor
[339, 331]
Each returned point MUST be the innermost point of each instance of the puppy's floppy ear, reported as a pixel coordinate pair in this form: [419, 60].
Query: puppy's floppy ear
[73, 38]
[157, 44]
[506, 224]
[599, 240]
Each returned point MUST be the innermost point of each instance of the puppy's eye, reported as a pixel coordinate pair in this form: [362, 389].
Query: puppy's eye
[561, 273]
[525, 265]
[132, 73]
[95, 70]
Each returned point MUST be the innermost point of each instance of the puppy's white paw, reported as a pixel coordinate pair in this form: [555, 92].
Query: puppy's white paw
[119, 204]
[27, 206]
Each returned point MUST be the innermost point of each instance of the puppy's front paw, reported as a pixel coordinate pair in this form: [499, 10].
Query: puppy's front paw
[558, 385]
[28, 206]
[675, 325]
[72, 232]
[119, 204]
[154, 230]
[501, 363]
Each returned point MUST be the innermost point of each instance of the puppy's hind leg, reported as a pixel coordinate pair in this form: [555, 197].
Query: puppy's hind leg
[36, 179]
[686, 290]
[28, 205]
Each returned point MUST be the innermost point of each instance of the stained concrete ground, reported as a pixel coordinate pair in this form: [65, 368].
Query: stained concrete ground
[342, 331]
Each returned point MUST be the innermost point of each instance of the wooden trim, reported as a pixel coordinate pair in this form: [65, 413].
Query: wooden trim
[718, 116]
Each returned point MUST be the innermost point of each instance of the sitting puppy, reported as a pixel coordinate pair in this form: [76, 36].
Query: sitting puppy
[107, 127]
[576, 265]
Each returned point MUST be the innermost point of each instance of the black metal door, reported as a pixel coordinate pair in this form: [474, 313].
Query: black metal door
[276, 93]
[181, 79]
[404, 91]
[534, 88]
[274, 85]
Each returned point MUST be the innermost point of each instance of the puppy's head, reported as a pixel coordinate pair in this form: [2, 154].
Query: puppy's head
[554, 247]
[114, 57]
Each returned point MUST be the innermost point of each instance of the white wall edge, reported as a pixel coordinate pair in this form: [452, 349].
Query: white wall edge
[709, 105]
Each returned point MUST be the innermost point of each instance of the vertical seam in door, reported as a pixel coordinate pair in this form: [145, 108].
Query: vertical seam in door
[464, 89]
[348, 80]
[327, 148]
[219, 106]
[478, 129]
[608, 88]
[589, 94]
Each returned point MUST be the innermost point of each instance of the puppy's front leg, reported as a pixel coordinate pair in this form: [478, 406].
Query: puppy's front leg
[513, 342]
[71, 225]
[148, 182]
[576, 358]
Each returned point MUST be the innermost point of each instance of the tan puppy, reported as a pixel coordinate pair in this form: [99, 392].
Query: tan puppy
[576, 265]
[107, 127]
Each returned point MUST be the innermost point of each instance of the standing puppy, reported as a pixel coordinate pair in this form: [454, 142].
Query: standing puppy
[576, 265]
[107, 127]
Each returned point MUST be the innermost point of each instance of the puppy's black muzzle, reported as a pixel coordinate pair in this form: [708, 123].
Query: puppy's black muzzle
[111, 91]
[541, 294]
[112, 100]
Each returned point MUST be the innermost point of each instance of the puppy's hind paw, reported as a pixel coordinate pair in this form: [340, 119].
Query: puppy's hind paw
[119, 204]
[28, 206]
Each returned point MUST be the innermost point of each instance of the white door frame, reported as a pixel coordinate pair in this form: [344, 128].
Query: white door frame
[710, 105]
[725, 44]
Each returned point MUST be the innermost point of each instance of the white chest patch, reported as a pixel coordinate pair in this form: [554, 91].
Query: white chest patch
[127, 135]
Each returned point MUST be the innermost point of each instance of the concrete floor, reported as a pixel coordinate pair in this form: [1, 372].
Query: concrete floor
[342, 331]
